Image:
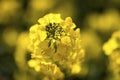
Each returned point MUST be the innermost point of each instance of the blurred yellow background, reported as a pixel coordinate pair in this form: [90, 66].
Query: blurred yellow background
[99, 23]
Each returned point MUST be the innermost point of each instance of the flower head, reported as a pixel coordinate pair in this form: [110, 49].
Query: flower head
[112, 49]
[54, 43]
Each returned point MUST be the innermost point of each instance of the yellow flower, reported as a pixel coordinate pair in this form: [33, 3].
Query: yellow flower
[54, 42]
[68, 23]
[34, 64]
[112, 49]
[50, 18]
[76, 69]
[66, 40]
[35, 33]
[112, 44]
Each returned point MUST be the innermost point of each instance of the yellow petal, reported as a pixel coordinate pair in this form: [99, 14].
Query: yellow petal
[32, 63]
[42, 35]
[66, 40]
[50, 18]
[37, 68]
[76, 69]
[68, 23]
[33, 28]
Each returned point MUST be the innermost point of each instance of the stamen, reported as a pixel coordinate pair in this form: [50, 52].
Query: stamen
[54, 31]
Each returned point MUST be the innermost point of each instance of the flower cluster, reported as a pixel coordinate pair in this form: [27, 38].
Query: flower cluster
[55, 46]
[112, 49]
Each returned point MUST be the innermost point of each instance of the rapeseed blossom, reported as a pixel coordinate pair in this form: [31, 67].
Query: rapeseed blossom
[20, 57]
[112, 50]
[112, 44]
[55, 46]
